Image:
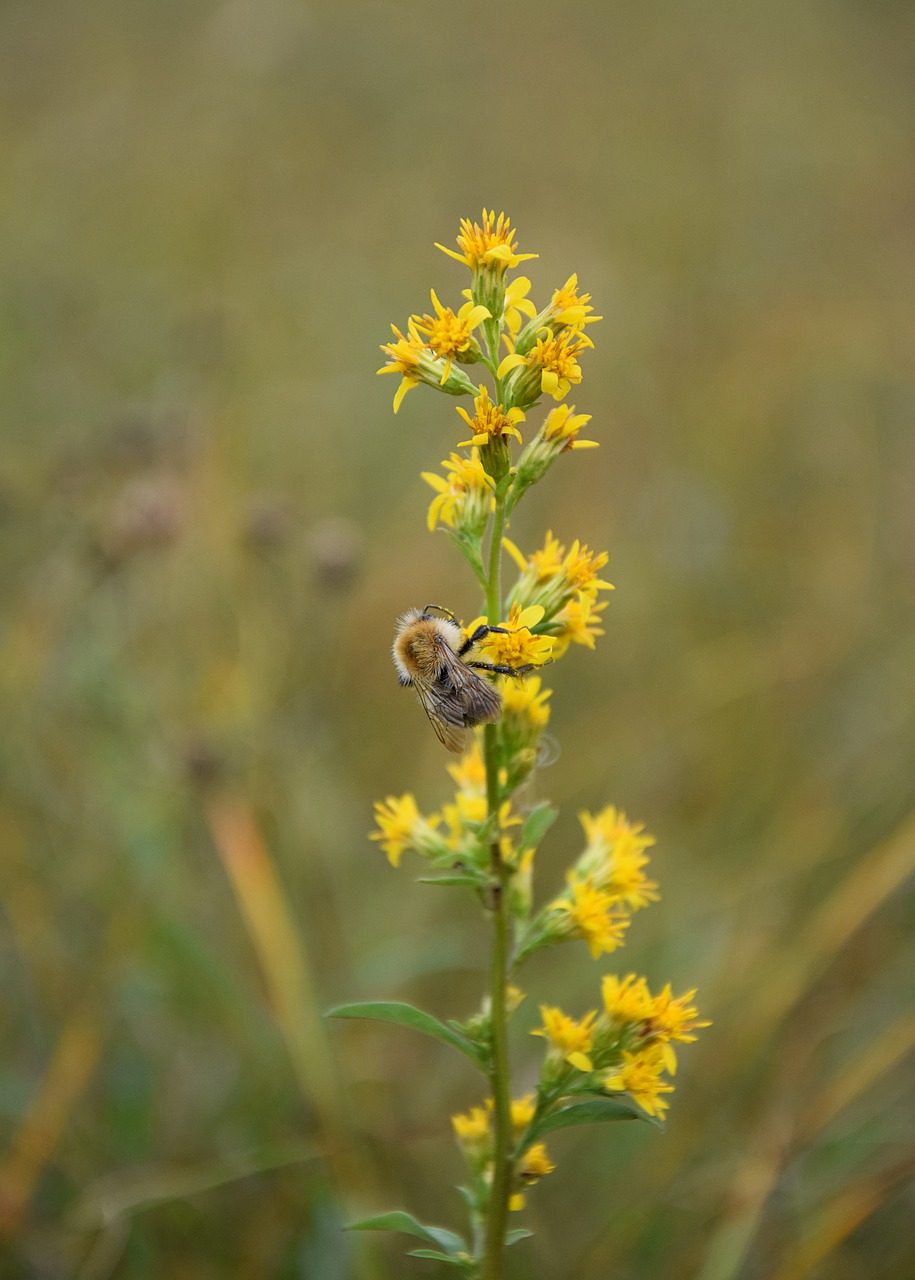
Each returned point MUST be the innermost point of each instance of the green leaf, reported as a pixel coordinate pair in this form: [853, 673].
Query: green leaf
[449, 1241]
[405, 1015]
[472, 879]
[519, 1233]
[594, 1111]
[536, 825]
[463, 1263]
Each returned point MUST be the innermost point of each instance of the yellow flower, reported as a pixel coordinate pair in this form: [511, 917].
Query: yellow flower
[464, 496]
[402, 826]
[552, 577]
[535, 1163]
[517, 646]
[525, 702]
[523, 1112]
[640, 1077]
[579, 619]
[410, 357]
[450, 336]
[490, 245]
[463, 818]
[674, 1019]
[569, 307]
[593, 915]
[490, 421]
[562, 425]
[470, 771]
[626, 1000]
[549, 368]
[572, 1040]
[516, 301]
[472, 1129]
[615, 857]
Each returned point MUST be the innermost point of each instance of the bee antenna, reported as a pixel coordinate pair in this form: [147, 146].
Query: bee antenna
[438, 608]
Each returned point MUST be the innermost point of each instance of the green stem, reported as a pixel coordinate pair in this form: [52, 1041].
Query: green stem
[500, 1188]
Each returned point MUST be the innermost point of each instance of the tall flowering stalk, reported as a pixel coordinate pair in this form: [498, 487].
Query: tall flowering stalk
[614, 1062]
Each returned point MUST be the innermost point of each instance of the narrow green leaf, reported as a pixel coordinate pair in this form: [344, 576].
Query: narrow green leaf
[594, 1111]
[519, 1233]
[405, 1015]
[449, 1241]
[462, 1263]
[474, 880]
[537, 824]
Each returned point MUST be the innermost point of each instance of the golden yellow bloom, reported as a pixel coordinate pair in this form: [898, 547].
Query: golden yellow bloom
[580, 568]
[615, 857]
[580, 621]
[490, 421]
[572, 1040]
[470, 771]
[463, 817]
[410, 357]
[535, 1163]
[402, 826]
[549, 368]
[516, 301]
[626, 1000]
[464, 496]
[674, 1019]
[523, 1112]
[593, 915]
[472, 1128]
[517, 646]
[525, 701]
[562, 425]
[569, 307]
[513, 997]
[450, 335]
[492, 244]
[640, 1077]
[552, 577]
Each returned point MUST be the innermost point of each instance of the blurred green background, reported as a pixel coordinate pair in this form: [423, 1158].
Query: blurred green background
[211, 211]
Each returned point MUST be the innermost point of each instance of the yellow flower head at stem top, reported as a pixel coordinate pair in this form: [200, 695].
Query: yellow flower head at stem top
[489, 249]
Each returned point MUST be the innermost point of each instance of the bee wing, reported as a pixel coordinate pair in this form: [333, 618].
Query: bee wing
[479, 702]
[446, 715]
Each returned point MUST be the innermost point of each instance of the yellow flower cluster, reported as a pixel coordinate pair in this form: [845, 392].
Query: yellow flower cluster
[606, 884]
[473, 1130]
[627, 1047]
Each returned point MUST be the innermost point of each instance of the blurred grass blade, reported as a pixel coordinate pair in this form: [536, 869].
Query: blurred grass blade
[281, 954]
[879, 1057]
[68, 1073]
[837, 1220]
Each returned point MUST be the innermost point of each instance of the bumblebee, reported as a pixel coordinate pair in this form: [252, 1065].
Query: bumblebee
[430, 654]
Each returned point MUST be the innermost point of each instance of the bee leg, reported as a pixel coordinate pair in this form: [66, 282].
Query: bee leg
[501, 669]
[482, 630]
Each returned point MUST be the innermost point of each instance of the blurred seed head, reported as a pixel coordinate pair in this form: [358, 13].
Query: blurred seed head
[267, 522]
[335, 545]
[147, 513]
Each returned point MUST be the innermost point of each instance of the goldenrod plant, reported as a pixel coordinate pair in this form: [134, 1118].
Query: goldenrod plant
[481, 687]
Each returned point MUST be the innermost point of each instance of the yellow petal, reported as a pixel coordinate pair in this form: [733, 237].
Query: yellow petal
[509, 363]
